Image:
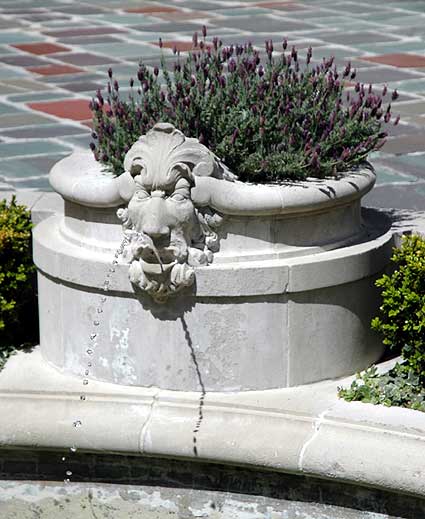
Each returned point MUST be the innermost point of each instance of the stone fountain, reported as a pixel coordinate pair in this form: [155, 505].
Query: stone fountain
[193, 333]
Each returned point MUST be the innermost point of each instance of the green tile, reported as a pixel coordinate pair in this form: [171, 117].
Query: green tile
[388, 176]
[10, 72]
[8, 109]
[129, 50]
[417, 160]
[22, 119]
[8, 89]
[120, 71]
[25, 84]
[39, 184]
[241, 11]
[15, 149]
[327, 51]
[410, 6]
[413, 85]
[389, 48]
[19, 37]
[17, 169]
[5, 49]
[43, 96]
[124, 19]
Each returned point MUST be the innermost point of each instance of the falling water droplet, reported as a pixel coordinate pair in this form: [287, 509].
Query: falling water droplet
[96, 323]
[77, 423]
[82, 397]
[85, 382]
[99, 310]
[67, 480]
[89, 351]
[63, 458]
[68, 473]
[93, 336]
[103, 299]
[73, 449]
[86, 372]
[89, 364]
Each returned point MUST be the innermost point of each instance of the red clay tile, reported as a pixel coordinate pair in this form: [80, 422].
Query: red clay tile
[152, 9]
[398, 60]
[87, 31]
[55, 70]
[281, 6]
[40, 48]
[75, 109]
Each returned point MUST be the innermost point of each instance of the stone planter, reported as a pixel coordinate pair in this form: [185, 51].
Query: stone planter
[223, 286]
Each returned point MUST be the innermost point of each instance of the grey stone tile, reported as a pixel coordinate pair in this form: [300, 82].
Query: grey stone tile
[24, 61]
[84, 86]
[383, 75]
[407, 196]
[345, 38]
[264, 23]
[41, 132]
[83, 59]
[169, 27]
[405, 144]
[413, 164]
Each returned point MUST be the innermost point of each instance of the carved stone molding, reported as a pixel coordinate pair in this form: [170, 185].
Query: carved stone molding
[167, 233]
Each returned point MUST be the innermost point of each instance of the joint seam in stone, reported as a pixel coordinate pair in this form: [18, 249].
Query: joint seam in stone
[316, 424]
[145, 426]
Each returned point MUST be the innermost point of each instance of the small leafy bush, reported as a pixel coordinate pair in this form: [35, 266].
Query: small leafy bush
[18, 303]
[268, 119]
[399, 387]
[402, 325]
[402, 320]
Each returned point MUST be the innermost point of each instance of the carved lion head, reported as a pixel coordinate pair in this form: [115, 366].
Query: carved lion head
[167, 234]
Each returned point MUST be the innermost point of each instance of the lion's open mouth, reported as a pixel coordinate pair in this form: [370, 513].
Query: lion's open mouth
[158, 261]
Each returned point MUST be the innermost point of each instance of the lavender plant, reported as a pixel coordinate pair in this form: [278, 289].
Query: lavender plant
[268, 119]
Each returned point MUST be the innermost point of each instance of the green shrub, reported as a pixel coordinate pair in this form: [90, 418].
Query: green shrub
[268, 119]
[402, 320]
[402, 325]
[399, 387]
[18, 303]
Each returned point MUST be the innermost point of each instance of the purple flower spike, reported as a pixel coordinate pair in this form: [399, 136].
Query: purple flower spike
[397, 120]
[394, 95]
[204, 31]
[110, 73]
[195, 39]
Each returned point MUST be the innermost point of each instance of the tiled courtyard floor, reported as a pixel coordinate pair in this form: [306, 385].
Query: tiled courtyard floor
[55, 53]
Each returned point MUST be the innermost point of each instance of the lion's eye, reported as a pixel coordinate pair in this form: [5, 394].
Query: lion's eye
[142, 194]
[178, 197]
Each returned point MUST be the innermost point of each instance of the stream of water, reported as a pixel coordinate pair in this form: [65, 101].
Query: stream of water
[93, 341]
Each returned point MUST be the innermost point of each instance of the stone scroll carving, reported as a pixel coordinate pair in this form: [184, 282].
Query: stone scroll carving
[167, 233]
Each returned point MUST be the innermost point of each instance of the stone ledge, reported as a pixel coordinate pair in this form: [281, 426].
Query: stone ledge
[42, 204]
[305, 430]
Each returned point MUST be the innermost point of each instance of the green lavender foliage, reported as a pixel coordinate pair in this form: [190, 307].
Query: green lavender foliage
[18, 302]
[268, 119]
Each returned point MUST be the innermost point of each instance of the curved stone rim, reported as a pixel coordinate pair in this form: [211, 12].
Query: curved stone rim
[308, 430]
[80, 179]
